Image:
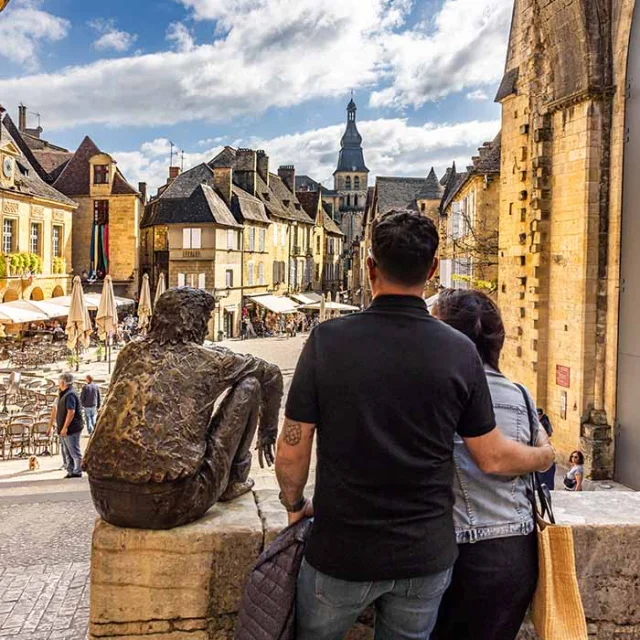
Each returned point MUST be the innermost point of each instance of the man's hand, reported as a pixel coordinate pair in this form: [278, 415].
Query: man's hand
[306, 512]
[63, 433]
[265, 447]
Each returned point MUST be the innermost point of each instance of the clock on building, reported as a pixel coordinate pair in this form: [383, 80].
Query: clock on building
[7, 167]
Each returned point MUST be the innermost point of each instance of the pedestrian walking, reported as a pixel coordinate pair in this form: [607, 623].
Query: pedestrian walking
[68, 420]
[496, 573]
[573, 478]
[243, 329]
[383, 532]
[90, 399]
[547, 478]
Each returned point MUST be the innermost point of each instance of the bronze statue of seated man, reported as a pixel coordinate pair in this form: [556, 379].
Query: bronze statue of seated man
[159, 456]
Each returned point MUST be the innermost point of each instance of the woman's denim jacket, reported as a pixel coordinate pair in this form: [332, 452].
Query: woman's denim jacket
[489, 506]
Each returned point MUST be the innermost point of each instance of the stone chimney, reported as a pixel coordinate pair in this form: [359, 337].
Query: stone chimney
[287, 174]
[174, 172]
[246, 170]
[22, 118]
[142, 188]
[263, 166]
[222, 181]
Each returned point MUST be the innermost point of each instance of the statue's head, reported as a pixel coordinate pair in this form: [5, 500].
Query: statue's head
[181, 315]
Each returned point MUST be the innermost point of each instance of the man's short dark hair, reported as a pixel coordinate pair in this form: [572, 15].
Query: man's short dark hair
[403, 246]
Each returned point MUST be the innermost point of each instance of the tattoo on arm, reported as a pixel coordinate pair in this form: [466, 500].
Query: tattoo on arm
[292, 433]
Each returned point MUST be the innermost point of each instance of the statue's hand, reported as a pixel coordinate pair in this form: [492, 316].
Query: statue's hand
[266, 449]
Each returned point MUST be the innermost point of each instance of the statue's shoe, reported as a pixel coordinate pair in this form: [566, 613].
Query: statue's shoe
[236, 489]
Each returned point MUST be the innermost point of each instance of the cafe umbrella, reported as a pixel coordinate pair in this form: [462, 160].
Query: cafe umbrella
[144, 306]
[78, 327]
[161, 288]
[107, 316]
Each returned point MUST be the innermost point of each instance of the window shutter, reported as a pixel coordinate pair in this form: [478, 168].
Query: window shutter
[186, 238]
[263, 234]
[202, 281]
[261, 273]
[196, 238]
[181, 280]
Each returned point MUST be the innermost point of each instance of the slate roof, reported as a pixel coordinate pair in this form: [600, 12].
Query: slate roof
[403, 193]
[202, 206]
[52, 161]
[309, 202]
[329, 224]
[432, 189]
[486, 163]
[75, 178]
[508, 84]
[28, 180]
[188, 181]
[226, 158]
[286, 203]
[246, 207]
[305, 183]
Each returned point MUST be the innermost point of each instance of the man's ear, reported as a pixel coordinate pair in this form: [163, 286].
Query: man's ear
[434, 268]
[371, 268]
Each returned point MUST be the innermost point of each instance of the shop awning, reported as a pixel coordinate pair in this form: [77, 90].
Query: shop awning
[276, 304]
[20, 312]
[331, 306]
[307, 298]
[93, 301]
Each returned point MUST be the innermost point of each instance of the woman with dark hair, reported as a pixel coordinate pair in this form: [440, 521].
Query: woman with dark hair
[496, 573]
[573, 479]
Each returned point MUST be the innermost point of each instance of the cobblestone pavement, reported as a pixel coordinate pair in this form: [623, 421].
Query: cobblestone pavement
[45, 535]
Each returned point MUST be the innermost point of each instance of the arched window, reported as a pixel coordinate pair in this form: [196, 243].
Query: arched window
[355, 199]
[356, 183]
[348, 201]
[347, 183]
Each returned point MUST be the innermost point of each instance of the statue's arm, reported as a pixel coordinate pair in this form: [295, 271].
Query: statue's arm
[237, 367]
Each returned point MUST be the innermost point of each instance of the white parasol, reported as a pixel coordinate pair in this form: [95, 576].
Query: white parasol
[161, 288]
[107, 317]
[323, 303]
[78, 328]
[144, 305]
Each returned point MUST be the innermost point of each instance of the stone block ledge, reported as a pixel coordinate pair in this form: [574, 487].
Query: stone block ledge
[186, 583]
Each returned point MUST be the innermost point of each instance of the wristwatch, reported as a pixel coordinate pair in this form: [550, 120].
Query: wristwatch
[295, 507]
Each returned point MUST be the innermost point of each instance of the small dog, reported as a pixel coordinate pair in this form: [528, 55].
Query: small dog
[34, 465]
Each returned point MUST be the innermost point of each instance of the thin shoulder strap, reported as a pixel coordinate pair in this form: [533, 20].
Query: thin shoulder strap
[544, 496]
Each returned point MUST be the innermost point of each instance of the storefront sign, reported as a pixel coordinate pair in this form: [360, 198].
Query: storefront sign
[563, 376]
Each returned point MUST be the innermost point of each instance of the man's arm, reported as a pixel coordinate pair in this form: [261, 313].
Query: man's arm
[293, 458]
[98, 397]
[498, 455]
[52, 418]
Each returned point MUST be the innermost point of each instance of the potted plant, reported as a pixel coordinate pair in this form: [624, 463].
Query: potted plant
[100, 353]
[73, 360]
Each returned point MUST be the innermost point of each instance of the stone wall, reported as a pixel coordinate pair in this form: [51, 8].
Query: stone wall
[560, 211]
[186, 583]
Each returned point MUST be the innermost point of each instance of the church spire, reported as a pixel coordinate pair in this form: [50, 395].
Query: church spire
[351, 155]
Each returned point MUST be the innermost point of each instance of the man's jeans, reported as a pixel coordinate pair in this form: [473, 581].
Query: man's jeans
[326, 608]
[90, 417]
[71, 453]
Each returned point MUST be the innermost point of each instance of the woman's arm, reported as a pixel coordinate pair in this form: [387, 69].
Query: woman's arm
[578, 477]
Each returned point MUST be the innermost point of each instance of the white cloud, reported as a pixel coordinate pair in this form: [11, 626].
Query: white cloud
[110, 37]
[179, 34]
[23, 27]
[276, 54]
[477, 96]
[464, 46]
[392, 147]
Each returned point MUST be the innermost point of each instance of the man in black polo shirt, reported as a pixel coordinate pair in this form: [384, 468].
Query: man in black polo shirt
[66, 413]
[386, 389]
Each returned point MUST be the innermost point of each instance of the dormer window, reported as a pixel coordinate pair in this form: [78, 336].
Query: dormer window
[266, 196]
[286, 203]
[101, 174]
[298, 206]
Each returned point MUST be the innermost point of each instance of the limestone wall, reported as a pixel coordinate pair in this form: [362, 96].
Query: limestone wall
[186, 584]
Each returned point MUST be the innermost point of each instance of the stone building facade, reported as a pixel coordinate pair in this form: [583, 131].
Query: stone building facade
[469, 223]
[422, 195]
[37, 221]
[563, 100]
[107, 221]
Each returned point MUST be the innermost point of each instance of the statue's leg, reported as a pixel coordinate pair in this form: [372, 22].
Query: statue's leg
[233, 428]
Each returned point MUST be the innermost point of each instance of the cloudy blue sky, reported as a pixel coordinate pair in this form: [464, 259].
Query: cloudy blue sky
[273, 74]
